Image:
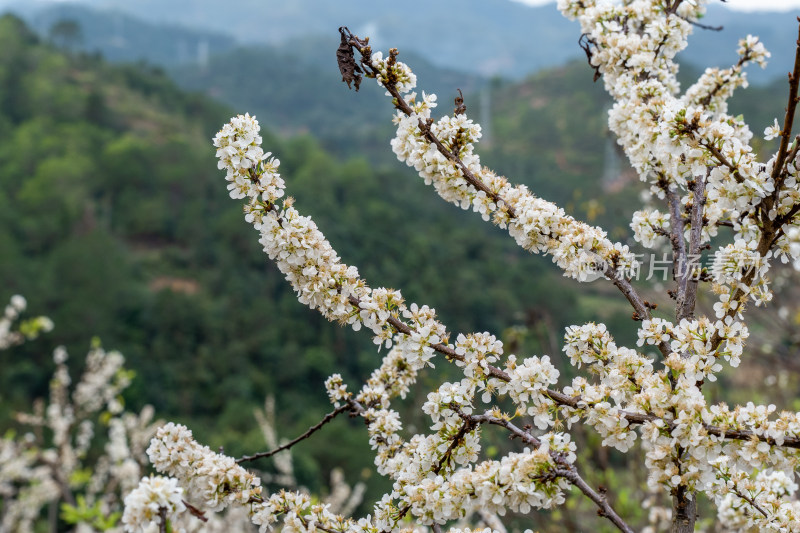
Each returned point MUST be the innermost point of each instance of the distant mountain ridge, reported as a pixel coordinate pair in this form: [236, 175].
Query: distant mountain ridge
[121, 37]
[486, 37]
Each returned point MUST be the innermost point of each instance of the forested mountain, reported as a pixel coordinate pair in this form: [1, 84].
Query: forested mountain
[125, 38]
[485, 37]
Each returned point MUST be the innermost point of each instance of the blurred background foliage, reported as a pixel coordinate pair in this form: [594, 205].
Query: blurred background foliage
[115, 223]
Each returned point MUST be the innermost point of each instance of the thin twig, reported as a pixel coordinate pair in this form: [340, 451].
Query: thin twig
[706, 100]
[457, 439]
[750, 501]
[701, 25]
[194, 511]
[313, 429]
[603, 508]
[724, 160]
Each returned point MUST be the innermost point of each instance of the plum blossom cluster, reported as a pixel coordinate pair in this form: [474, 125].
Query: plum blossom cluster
[250, 172]
[452, 166]
[762, 501]
[649, 225]
[217, 482]
[212, 480]
[739, 271]
[202, 483]
[319, 278]
[669, 409]
[390, 71]
[518, 482]
[155, 497]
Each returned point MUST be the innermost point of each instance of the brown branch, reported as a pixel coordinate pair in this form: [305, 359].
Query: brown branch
[684, 510]
[688, 283]
[162, 520]
[313, 429]
[603, 508]
[701, 25]
[788, 119]
[457, 439]
[677, 240]
[750, 501]
[717, 431]
[673, 8]
[194, 511]
[425, 129]
[724, 160]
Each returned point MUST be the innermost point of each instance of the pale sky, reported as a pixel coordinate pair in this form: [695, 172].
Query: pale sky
[742, 5]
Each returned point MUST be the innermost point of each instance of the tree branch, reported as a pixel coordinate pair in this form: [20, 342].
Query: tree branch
[162, 520]
[194, 511]
[313, 429]
[565, 469]
[688, 283]
[788, 119]
[677, 240]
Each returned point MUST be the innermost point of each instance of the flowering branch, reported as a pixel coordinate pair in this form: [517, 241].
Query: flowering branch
[505, 211]
[565, 470]
[788, 119]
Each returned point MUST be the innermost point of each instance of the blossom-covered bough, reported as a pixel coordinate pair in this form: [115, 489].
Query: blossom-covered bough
[703, 175]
